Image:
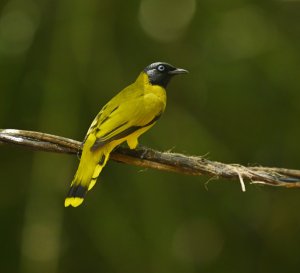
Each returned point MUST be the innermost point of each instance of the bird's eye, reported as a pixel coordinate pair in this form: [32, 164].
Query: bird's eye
[161, 68]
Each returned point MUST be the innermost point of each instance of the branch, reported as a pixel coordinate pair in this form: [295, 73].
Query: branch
[164, 161]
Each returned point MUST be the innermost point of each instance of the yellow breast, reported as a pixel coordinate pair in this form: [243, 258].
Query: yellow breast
[154, 94]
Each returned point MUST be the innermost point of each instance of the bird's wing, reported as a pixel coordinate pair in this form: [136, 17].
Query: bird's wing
[119, 119]
[107, 111]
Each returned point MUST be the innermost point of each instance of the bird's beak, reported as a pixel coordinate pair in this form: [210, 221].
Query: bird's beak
[178, 71]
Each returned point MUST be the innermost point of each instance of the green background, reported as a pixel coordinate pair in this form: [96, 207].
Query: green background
[61, 61]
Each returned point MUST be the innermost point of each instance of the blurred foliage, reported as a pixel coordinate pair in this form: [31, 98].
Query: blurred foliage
[60, 61]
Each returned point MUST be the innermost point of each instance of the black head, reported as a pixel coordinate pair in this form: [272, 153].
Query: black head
[160, 73]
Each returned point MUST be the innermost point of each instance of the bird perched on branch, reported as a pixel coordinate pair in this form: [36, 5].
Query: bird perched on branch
[125, 117]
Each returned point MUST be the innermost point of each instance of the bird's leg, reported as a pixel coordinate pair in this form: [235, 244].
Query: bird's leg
[142, 151]
[143, 154]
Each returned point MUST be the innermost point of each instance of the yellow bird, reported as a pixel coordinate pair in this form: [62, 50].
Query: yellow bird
[125, 117]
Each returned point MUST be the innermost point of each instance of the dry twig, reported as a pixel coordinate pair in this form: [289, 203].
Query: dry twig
[164, 161]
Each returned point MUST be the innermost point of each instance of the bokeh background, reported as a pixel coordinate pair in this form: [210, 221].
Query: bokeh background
[61, 60]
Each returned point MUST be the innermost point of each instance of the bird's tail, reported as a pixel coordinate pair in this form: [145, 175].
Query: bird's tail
[90, 166]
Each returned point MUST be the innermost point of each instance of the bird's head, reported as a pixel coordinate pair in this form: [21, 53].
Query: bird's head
[160, 73]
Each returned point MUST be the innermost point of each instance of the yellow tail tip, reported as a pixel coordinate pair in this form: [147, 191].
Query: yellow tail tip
[73, 201]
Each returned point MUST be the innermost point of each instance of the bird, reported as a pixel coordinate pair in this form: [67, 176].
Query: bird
[124, 118]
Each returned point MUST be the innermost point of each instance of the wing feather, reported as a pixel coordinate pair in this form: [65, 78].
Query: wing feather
[116, 121]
